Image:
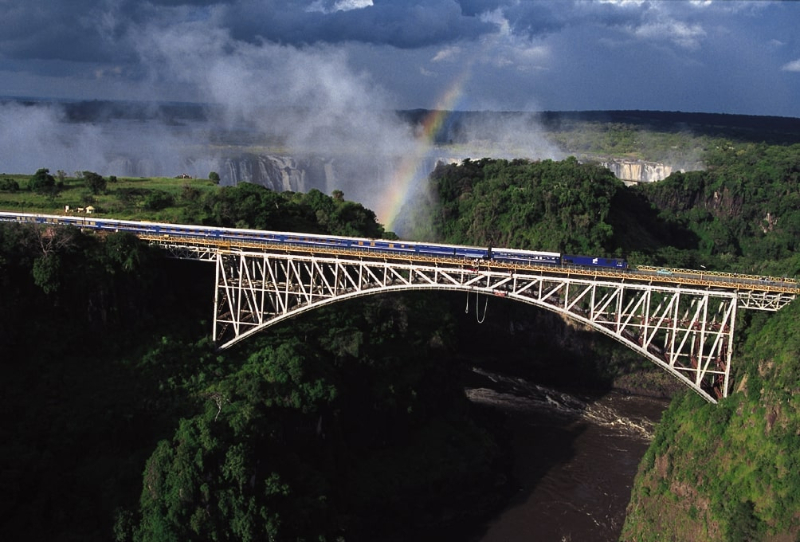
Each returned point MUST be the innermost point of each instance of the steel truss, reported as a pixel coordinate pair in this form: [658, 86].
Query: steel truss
[688, 332]
[764, 300]
[183, 250]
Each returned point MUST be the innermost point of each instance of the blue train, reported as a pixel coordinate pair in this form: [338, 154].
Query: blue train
[306, 240]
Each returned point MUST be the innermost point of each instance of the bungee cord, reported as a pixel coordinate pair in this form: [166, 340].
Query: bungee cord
[485, 306]
[478, 318]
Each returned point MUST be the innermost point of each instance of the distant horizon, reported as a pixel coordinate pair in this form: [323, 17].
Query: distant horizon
[373, 154]
[52, 99]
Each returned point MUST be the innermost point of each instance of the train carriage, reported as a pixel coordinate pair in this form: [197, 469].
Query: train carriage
[507, 255]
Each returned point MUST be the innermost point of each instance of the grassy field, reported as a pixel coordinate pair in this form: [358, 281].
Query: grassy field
[134, 198]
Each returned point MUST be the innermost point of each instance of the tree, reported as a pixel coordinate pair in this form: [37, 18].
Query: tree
[9, 185]
[158, 200]
[95, 182]
[42, 182]
[214, 176]
[125, 250]
[47, 272]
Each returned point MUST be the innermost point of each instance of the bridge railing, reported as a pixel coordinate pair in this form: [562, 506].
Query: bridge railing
[726, 274]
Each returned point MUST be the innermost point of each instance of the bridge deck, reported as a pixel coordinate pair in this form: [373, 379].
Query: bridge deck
[645, 274]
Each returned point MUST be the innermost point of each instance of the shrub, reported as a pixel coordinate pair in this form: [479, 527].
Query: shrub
[158, 200]
[9, 185]
[42, 182]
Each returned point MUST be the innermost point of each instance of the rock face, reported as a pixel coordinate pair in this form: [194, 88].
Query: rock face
[279, 173]
[638, 171]
[300, 174]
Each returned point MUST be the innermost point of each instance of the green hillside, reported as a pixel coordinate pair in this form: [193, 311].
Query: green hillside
[729, 471]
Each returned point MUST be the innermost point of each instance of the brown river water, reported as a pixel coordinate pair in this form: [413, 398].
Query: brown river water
[575, 458]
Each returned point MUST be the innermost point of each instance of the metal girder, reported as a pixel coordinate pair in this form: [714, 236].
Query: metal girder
[764, 301]
[686, 331]
[184, 251]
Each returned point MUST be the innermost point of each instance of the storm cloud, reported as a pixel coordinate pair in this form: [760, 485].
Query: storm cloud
[711, 56]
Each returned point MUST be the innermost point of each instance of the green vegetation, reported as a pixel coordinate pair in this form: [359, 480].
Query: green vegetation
[119, 197]
[554, 206]
[593, 138]
[742, 214]
[744, 210]
[548, 205]
[42, 182]
[189, 201]
[729, 471]
[662, 136]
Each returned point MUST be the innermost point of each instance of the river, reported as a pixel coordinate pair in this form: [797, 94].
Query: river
[575, 458]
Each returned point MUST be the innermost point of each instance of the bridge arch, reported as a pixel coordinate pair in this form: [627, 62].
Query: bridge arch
[686, 332]
[683, 320]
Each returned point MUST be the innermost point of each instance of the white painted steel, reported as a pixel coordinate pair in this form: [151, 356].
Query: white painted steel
[683, 323]
[686, 331]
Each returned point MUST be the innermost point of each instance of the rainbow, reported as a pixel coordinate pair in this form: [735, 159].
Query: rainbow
[409, 169]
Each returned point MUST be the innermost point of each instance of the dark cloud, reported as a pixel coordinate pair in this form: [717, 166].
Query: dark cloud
[94, 30]
[400, 23]
[536, 18]
[415, 47]
[174, 3]
[33, 31]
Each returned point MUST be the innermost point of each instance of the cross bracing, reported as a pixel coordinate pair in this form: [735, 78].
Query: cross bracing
[687, 332]
[682, 320]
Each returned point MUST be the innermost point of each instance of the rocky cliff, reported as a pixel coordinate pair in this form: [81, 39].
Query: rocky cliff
[279, 173]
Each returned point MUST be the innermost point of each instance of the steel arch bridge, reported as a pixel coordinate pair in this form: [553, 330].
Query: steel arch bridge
[681, 320]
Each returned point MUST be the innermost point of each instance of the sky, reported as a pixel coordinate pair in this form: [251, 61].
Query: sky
[716, 56]
[326, 77]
